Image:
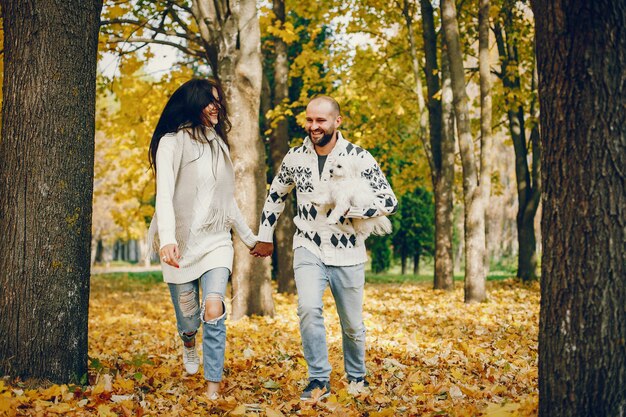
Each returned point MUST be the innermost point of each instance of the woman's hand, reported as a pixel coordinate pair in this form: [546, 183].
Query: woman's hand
[170, 254]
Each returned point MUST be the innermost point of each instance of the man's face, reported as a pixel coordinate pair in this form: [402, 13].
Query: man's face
[321, 122]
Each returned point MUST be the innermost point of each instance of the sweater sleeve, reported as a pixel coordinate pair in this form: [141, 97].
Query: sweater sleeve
[243, 230]
[274, 205]
[385, 202]
[165, 190]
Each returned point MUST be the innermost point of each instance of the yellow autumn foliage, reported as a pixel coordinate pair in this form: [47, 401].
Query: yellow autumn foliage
[128, 108]
[428, 354]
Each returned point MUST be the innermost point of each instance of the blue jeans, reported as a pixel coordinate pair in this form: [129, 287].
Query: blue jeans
[346, 284]
[189, 315]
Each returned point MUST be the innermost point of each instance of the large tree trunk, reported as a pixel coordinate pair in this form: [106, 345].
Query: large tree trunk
[233, 30]
[474, 204]
[442, 147]
[416, 263]
[46, 178]
[403, 259]
[446, 182]
[279, 145]
[485, 115]
[528, 184]
[581, 55]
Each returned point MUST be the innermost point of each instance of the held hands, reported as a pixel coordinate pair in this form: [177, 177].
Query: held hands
[262, 249]
[170, 254]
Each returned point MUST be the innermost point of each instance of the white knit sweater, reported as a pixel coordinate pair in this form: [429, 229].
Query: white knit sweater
[183, 164]
[336, 244]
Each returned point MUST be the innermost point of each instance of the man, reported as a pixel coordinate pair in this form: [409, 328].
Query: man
[325, 254]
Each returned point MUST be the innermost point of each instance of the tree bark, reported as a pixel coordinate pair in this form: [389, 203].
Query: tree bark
[279, 145]
[581, 55]
[442, 148]
[446, 183]
[403, 260]
[486, 139]
[46, 178]
[472, 194]
[232, 29]
[416, 263]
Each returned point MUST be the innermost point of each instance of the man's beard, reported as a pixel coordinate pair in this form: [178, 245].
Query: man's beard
[324, 140]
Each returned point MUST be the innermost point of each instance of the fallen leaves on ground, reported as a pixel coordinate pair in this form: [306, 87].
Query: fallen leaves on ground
[428, 354]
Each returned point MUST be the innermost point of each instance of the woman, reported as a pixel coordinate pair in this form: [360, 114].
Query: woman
[195, 210]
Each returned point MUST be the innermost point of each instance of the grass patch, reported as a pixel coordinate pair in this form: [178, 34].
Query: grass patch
[126, 281]
[410, 278]
[130, 281]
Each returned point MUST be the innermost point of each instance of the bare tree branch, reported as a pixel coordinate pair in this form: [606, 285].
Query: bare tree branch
[181, 6]
[193, 52]
[145, 24]
[176, 18]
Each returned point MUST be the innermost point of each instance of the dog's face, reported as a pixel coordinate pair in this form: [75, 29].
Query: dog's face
[342, 167]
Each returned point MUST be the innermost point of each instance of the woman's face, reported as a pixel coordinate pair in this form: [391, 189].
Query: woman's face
[212, 110]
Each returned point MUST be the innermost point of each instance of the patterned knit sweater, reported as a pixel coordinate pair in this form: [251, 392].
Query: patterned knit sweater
[337, 244]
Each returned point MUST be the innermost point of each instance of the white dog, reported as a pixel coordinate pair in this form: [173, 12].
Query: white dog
[345, 189]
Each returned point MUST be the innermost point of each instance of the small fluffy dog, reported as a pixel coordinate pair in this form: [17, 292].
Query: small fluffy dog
[345, 189]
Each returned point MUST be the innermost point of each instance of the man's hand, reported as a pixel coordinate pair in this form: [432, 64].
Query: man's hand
[262, 249]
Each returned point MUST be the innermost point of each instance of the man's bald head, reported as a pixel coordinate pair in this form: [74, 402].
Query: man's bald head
[326, 101]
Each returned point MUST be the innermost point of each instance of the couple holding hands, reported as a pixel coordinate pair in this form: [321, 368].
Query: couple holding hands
[196, 210]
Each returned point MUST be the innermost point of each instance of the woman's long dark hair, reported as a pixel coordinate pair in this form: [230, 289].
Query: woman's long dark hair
[185, 109]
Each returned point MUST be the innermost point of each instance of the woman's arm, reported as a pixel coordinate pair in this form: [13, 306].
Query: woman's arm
[241, 227]
[166, 219]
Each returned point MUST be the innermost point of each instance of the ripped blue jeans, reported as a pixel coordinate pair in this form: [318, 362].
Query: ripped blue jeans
[190, 313]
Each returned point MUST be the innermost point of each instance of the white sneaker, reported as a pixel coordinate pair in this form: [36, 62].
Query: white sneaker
[191, 359]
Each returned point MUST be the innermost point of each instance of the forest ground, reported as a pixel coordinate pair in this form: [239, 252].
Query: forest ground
[428, 354]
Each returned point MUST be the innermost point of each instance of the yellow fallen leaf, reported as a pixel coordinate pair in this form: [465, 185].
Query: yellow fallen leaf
[124, 384]
[418, 388]
[387, 412]
[240, 410]
[7, 407]
[60, 408]
[53, 391]
[105, 411]
[457, 374]
[270, 412]
[501, 410]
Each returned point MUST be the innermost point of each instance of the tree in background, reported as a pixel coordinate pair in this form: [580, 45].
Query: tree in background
[413, 224]
[514, 40]
[128, 108]
[581, 56]
[283, 34]
[473, 169]
[46, 178]
[438, 148]
[380, 252]
[486, 137]
[294, 70]
[395, 99]
[227, 40]
[442, 151]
